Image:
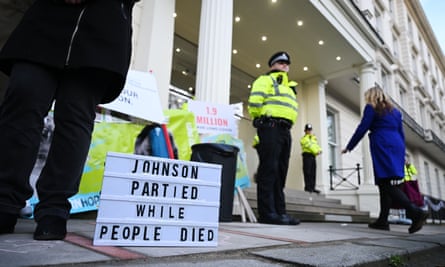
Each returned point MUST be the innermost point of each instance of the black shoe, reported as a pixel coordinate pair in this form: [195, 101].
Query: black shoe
[379, 226]
[418, 222]
[316, 191]
[7, 222]
[289, 220]
[270, 220]
[50, 228]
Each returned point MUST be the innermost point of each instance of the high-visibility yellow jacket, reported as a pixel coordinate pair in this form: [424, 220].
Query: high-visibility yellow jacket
[271, 96]
[309, 144]
[410, 171]
[256, 141]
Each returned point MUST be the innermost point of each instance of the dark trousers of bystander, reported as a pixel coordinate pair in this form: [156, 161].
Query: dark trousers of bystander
[29, 97]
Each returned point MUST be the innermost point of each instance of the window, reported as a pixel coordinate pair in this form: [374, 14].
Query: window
[422, 114]
[332, 138]
[386, 80]
[431, 122]
[391, 7]
[410, 28]
[439, 190]
[396, 48]
[378, 22]
[441, 101]
[421, 49]
[403, 97]
[434, 93]
[427, 177]
[414, 65]
[443, 180]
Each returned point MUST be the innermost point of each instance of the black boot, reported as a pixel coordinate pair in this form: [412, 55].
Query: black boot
[418, 217]
[379, 226]
[50, 228]
[416, 214]
[7, 222]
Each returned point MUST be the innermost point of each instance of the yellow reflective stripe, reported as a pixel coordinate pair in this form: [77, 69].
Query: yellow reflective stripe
[280, 103]
[262, 94]
[256, 105]
[259, 93]
[275, 85]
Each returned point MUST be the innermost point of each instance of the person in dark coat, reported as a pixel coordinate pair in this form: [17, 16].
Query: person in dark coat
[387, 145]
[11, 12]
[75, 53]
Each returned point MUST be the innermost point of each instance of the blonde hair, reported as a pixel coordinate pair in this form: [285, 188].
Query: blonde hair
[378, 100]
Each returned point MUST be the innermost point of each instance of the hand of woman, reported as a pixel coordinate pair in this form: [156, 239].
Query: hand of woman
[344, 151]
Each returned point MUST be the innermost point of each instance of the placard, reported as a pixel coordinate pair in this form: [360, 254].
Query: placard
[150, 201]
[212, 118]
[139, 98]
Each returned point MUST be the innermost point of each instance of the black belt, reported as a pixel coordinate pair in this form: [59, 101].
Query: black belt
[307, 154]
[272, 122]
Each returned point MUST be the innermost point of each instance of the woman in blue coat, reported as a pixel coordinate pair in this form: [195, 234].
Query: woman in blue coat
[387, 145]
[75, 53]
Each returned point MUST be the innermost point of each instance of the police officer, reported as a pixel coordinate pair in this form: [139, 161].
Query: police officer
[310, 149]
[273, 106]
[410, 171]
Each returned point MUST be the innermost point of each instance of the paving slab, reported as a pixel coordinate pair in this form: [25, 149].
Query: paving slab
[22, 250]
[409, 246]
[436, 238]
[201, 263]
[343, 254]
[226, 242]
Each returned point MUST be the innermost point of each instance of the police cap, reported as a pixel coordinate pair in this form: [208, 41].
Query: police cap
[279, 56]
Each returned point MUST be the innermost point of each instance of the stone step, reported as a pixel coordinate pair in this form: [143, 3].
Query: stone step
[297, 195]
[313, 207]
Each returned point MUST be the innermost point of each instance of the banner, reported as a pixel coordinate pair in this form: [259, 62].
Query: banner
[111, 136]
[181, 123]
[106, 137]
[242, 176]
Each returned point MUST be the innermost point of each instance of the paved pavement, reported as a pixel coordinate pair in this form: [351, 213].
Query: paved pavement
[239, 244]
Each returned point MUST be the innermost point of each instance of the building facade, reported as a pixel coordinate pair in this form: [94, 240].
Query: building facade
[213, 50]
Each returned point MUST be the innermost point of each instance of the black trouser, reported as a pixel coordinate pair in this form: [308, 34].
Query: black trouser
[273, 151]
[29, 97]
[389, 193]
[309, 171]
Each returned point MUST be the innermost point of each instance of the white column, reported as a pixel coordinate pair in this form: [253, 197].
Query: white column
[367, 80]
[153, 42]
[368, 196]
[214, 52]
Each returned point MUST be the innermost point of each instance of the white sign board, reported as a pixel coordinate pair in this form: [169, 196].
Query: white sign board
[139, 98]
[213, 118]
[149, 201]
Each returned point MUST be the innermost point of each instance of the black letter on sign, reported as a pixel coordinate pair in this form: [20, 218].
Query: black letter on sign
[135, 166]
[183, 234]
[134, 186]
[103, 230]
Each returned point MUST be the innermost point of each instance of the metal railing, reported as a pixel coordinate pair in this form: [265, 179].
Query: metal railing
[340, 179]
[436, 208]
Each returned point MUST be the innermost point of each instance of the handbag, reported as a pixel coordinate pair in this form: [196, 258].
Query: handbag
[411, 189]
